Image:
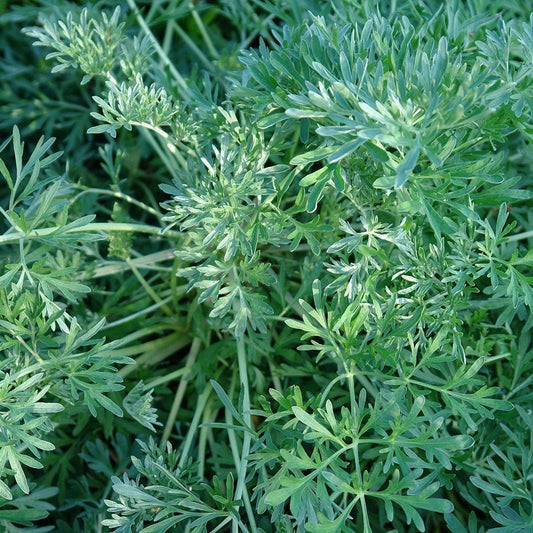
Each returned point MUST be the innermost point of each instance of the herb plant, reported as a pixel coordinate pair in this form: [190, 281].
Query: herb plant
[266, 265]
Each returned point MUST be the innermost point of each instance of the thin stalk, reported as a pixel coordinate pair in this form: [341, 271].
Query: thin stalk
[247, 439]
[353, 402]
[200, 406]
[180, 393]
[366, 522]
[164, 157]
[202, 439]
[355, 451]
[158, 352]
[116, 194]
[231, 432]
[237, 460]
[117, 267]
[29, 348]
[222, 524]
[171, 142]
[203, 32]
[144, 332]
[249, 510]
[260, 27]
[146, 286]
[92, 227]
[392, 10]
[138, 314]
[520, 236]
[156, 382]
[191, 44]
[167, 38]
[365, 382]
[331, 384]
[164, 57]
[275, 378]
[153, 358]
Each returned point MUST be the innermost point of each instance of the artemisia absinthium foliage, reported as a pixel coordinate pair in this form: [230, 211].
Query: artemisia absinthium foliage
[281, 277]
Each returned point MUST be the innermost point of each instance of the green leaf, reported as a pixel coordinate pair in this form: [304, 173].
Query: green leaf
[5, 173]
[318, 154]
[224, 398]
[406, 167]
[328, 526]
[315, 177]
[345, 150]
[107, 403]
[310, 421]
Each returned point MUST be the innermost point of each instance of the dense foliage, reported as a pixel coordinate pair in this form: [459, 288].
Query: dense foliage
[266, 265]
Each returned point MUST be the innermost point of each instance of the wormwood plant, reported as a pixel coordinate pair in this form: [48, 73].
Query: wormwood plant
[275, 271]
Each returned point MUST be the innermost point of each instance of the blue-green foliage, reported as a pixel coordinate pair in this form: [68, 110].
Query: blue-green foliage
[280, 276]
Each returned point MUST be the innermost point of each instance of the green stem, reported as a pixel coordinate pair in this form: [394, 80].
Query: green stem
[156, 382]
[191, 44]
[247, 438]
[366, 522]
[92, 227]
[353, 402]
[203, 32]
[260, 28]
[180, 393]
[222, 524]
[365, 382]
[200, 406]
[138, 314]
[153, 352]
[243, 376]
[238, 463]
[116, 267]
[167, 38]
[164, 57]
[150, 331]
[231, 432]
[202, 439]
[116, 194]
[159, 151]
[29, 348]
[146, 286]
[520, 236]
[171, 141]
[275, 378]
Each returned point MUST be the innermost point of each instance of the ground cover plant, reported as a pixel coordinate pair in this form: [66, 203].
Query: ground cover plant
[266, 265]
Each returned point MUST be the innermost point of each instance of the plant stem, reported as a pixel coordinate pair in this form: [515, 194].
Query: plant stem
[520, 236]
[91, 227]
[191, 44]
[237, 460]
[146, 286]
[200, 406]
[116, 194]
[146, 133]
[164, 57]
[138, 314]
[353, 402]
[116, 267]
[156, 382]
[157, 351]
[202, 439]
[203, 31]
[191, 358]
[247, 439]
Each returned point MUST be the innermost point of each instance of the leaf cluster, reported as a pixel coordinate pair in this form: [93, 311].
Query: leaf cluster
[280, 275]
